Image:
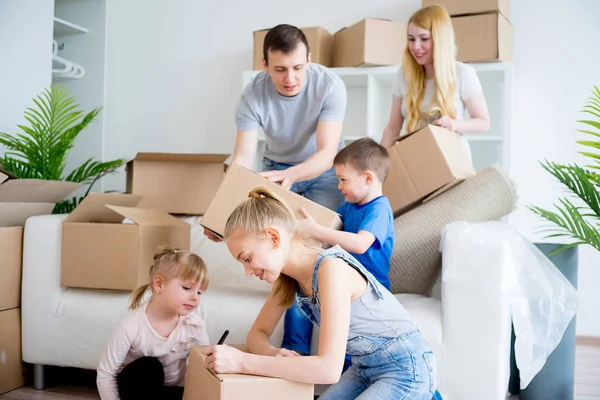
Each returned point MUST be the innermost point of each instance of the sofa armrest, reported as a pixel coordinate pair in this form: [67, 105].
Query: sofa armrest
[40, 288]
[476, 323]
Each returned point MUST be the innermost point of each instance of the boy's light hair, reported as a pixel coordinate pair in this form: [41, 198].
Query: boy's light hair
[365, 155]
[436, 20]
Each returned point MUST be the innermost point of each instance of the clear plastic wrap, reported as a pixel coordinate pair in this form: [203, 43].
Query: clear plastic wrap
[542, 301]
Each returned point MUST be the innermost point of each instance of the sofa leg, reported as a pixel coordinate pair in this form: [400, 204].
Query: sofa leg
[38, 377]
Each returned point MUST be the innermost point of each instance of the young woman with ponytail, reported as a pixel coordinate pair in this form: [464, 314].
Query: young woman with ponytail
[146, 358]
[356, 314]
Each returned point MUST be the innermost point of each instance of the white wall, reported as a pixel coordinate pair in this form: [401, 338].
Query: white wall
[556, 66]
[25, 57]
[174, 73]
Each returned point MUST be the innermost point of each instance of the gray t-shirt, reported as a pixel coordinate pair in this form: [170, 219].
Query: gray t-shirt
[290, 123]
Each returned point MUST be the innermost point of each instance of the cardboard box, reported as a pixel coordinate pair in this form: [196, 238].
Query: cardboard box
[202, 383]
[11, 362]
[483, 38]
[469, 7]
[19, 200]
[11, 249]
[370, 42]
[176, 183]
[24, 198]
[239, 181]
[320, 44]
[423, 165]
[100, 251]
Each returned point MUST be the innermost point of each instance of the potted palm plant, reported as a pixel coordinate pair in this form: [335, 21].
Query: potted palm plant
[41, 149]
[577, 218]
[578, 215]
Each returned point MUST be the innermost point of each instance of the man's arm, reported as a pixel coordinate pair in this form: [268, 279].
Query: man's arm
[329, 131]
[244, 152]
[328, 138]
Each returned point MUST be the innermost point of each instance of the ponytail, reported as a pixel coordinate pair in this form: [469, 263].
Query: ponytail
[137, 296]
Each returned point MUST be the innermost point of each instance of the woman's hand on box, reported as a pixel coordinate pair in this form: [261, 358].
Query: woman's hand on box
[223, 359]
[446, 122]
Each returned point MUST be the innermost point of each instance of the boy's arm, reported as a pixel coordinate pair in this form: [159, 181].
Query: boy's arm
[357, 243]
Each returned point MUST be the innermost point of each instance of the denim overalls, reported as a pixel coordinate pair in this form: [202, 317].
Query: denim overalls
[390, 358]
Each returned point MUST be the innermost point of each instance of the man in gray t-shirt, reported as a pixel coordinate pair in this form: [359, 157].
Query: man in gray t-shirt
[300, 107]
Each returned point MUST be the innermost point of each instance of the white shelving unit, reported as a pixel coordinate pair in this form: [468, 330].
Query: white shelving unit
[65, 28]
[370, 97]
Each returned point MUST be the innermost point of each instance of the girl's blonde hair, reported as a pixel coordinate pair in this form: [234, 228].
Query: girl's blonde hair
[254, 216]
[436, 20]
[172, 263]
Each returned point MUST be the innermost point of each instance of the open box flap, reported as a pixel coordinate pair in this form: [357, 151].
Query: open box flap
[93, 208]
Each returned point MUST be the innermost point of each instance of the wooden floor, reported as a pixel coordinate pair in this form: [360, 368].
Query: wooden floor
[587, 382]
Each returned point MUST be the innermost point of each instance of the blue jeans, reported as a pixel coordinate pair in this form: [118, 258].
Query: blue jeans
[297, 328]
[322, 189]
[403, 368]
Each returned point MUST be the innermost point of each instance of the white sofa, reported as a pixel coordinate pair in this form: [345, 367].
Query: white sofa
[468, 331]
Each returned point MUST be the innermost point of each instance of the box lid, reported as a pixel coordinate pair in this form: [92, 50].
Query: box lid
[93, 208]
[200, 158]
[146, 216]
[13, 189]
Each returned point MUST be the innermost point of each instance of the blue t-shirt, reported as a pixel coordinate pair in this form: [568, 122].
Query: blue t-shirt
[376, 217]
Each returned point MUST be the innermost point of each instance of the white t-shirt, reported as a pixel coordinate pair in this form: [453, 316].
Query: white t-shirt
[467, 84]
[135, 338]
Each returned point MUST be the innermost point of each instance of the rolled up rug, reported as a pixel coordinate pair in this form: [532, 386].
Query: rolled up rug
[416, 260]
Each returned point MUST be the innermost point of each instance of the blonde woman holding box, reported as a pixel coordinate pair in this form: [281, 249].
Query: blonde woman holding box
[431, 86]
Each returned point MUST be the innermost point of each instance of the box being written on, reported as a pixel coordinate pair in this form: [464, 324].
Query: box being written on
[240, 181]
[201, 383]
[423, 165]
[100, 251]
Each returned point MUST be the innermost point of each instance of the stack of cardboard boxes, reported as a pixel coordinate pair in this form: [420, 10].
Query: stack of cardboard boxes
[482, 29]
[19, 200]
[367, 43]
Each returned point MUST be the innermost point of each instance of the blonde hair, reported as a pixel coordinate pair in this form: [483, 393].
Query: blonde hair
[254, 216]
[172, 263]
[436, 20]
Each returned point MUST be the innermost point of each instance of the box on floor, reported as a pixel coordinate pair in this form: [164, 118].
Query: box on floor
[203, 384]
[19, 200]
[470, 7]
[240, 181]
[11, 364]
[176, 183]
[320, 44]
[100, 251]
[424, 164]
[370, 42]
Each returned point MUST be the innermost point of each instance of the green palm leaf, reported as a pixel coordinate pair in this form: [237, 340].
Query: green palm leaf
[41, 149]
[579, 223]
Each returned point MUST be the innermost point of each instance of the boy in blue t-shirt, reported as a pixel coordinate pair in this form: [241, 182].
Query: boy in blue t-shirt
[368, 232]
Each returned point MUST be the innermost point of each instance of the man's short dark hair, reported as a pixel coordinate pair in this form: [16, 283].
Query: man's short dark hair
[365, 155]
[284, 38]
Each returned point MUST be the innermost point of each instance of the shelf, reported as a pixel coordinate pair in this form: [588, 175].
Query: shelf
[483, 138]
[386, 74]
[64, 28]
